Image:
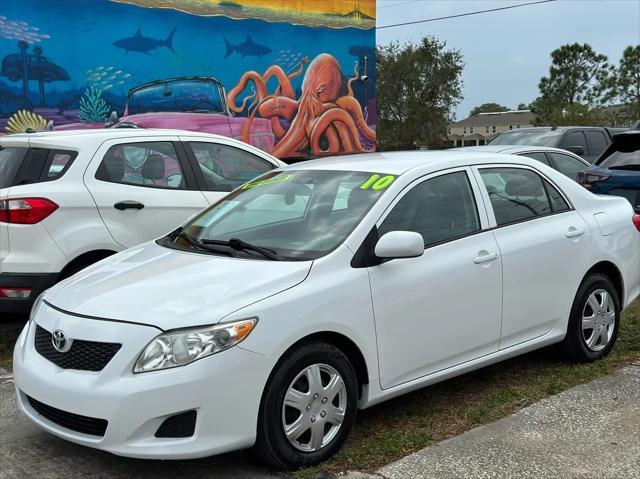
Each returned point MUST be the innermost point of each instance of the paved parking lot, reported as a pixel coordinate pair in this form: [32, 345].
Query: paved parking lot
[28, 452]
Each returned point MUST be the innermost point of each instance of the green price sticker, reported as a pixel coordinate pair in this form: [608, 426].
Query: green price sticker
[268, 181]
[378, 182]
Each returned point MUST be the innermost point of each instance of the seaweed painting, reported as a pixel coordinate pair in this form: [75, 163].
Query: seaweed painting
[93, 108]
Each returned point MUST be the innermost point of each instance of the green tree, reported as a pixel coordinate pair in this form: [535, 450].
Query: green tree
[523, 106]
[578, 75]
[418, 87]
[488, 108]
[628, 80]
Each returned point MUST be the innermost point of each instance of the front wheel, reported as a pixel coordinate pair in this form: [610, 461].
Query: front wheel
[308, 407]
[594, 321]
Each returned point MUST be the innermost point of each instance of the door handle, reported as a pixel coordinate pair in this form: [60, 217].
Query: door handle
[574, 232]
[128, 205]
[485, 257]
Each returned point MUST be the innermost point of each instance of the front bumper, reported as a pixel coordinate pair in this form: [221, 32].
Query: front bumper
[224, 389]
[38, 282]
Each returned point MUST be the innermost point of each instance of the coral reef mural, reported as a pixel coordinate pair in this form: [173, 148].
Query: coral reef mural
[293, 77]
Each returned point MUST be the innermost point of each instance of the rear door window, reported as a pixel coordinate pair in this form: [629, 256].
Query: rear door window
[575, 138]
[516, 194]
[10, 162]
[597, 142]
[150, 164]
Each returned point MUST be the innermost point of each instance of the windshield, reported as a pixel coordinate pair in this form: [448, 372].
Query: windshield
[528, 137]
[298, 215]
[10, 160]
[622, 160]
[177, 96]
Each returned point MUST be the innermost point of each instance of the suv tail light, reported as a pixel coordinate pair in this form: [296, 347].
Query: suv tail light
[26, 211]
[636, 221]
[587, 178]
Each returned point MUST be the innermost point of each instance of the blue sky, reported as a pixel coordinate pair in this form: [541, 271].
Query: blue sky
[507, 52]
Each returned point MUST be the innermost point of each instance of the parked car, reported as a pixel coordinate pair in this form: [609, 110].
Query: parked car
[69, 199]
[189, 103]
[321, 288]
[617, 171]
[564, 161]
[585, 141]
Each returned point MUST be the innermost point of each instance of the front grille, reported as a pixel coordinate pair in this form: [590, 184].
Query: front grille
[83, 355]
[84, 424]
[180, 425]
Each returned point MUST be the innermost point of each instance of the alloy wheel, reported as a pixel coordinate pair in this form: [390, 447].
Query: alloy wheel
[598, 320]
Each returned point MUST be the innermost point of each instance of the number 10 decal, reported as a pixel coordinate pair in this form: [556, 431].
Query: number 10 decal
[377, 182]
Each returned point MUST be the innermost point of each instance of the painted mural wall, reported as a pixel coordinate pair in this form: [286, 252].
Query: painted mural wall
[293, 77]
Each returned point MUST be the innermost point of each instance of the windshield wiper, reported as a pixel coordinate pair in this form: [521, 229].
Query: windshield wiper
[238, 244]
[198, 244]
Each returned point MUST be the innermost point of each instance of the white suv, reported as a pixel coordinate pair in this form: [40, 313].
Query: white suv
[69, 199]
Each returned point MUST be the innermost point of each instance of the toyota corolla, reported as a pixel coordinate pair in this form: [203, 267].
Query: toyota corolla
[319, 289]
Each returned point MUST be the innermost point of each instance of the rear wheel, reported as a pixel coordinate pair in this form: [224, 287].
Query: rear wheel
[308, 407]
[594, 322]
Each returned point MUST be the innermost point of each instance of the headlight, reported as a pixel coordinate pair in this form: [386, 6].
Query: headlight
[36, 305]
[183, 346]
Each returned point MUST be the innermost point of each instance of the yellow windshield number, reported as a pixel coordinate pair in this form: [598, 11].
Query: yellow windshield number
[377, 182]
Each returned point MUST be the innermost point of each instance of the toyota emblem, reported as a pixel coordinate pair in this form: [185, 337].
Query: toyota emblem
[60, 341]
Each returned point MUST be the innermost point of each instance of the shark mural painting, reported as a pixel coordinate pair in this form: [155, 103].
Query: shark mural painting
[294, 77]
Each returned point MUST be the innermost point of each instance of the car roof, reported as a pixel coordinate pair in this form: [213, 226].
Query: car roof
[399, 162]
[514, 149]
[106, 134]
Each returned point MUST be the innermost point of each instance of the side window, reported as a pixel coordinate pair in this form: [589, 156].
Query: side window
[152, 164]
[225, 167]
[57, 163]
[597, 141]
[516, 194]
[440, 209]
[575, 138]
[536, 155]
[567, 165]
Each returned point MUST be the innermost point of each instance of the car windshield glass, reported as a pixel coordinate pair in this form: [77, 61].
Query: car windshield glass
[528, 137]
[10, 160]
[622, 160]
[177, 96]
[297, 215]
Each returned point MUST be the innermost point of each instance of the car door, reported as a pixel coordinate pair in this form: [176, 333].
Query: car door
[221, 167]
[443, 308]
[598, 142]
[143, 188]
[544, 244]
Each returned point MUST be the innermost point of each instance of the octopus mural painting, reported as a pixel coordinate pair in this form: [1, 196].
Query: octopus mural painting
[324, 120]
[195, 66]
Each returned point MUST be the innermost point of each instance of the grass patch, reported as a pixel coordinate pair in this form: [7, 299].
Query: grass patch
[8, 335]
[389, 431]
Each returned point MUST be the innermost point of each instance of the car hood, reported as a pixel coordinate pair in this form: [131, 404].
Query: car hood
[170, 289]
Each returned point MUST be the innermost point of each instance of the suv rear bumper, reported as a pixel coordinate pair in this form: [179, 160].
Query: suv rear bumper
[38, 282]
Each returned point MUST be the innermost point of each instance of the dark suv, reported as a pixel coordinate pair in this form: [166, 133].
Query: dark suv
[585, 141]
[617, 171]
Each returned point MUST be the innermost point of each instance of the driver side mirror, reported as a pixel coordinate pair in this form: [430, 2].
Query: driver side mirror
[578, 150]
[400, 244]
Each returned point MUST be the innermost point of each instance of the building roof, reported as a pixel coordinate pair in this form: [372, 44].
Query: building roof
[521, 117]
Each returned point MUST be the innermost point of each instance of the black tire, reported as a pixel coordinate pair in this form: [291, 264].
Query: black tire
[574, 346]
[272, 444]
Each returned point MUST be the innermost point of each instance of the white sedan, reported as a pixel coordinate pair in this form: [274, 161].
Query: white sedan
[321, 288]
